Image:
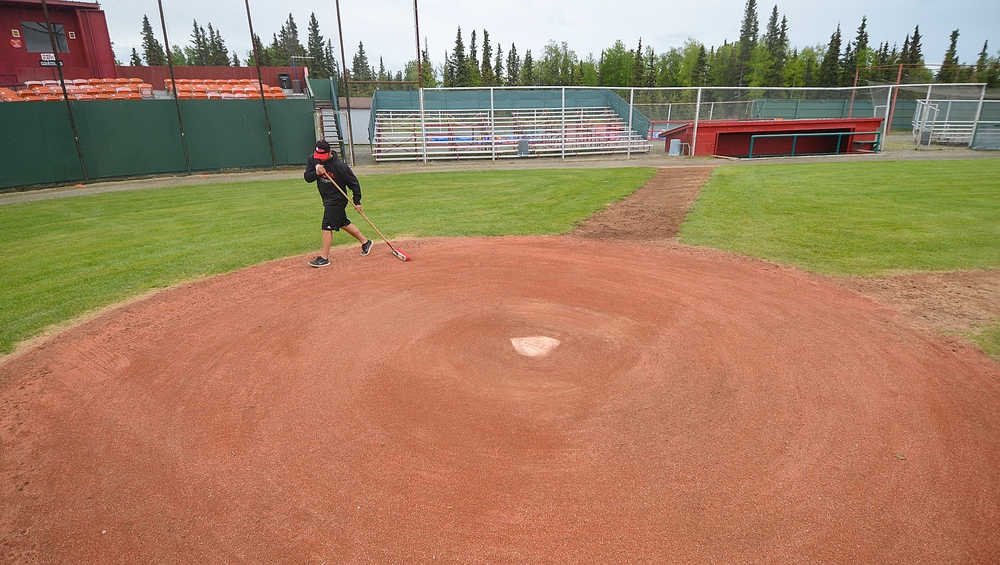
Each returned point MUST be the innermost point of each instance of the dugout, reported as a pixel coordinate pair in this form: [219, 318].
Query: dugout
[760, 138]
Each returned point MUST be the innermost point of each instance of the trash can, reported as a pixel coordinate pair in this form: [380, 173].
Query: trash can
[284, 80]
[675, 148]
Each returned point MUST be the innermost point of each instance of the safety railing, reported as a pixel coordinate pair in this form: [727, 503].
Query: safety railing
[795, 137]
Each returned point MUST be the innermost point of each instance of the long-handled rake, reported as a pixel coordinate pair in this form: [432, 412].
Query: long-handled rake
[397, 253]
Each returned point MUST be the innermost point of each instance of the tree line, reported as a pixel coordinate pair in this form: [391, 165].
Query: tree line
[755, 59]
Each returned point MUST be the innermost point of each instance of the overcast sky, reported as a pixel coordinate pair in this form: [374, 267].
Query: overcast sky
[386, 26]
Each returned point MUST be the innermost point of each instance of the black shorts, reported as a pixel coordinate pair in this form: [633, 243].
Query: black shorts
[334, 216]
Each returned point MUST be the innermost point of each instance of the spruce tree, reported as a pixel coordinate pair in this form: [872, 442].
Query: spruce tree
[771, 34]
[151, 48]
[498, 66]
[829, 69]
[218, 54]
[637, 76]
[360, 69]
[916, 56]
[197, 53]
[700, 68]
[486, 72]
[776, 44]
[473, 62]
[459, 67]
[236, 59]
[513, 67]
[949, 69]
[135, 61]
[318, 66]
[528, 70]
[748, 40]
[857, 53]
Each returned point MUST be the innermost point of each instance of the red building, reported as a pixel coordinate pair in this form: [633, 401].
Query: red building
[82, 39]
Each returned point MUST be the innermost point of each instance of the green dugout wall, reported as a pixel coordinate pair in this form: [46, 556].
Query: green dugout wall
[141, 137]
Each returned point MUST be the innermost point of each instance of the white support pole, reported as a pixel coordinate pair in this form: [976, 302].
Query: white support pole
[947, 113]
[493, 129]
[628, 141]
[694, 136]
[423, 127]
[711, 111]
[927, 112]
[564, 122]
[979, 114]
[885, 120]
[669, 108]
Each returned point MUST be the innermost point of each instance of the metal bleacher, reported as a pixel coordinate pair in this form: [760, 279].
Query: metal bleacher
[400, 135]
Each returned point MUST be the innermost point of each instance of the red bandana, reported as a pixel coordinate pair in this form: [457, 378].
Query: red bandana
[321, 155]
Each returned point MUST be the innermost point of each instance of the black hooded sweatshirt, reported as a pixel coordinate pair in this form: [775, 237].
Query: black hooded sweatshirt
[340, 173]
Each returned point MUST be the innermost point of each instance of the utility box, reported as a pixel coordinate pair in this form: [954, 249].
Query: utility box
[523, 148]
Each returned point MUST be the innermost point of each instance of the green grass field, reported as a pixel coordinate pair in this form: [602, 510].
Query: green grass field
[62, 258]
[857, 218]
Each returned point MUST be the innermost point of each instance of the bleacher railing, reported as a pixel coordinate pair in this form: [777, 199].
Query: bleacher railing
[479, 115]
[497, 122]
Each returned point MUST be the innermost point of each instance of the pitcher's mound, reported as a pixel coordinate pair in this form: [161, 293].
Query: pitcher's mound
[697, 407]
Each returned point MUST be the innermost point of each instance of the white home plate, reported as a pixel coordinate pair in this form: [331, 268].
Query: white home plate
[535, 346]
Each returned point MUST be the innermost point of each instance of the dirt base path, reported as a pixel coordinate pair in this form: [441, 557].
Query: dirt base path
[654, 212]
[692, 407]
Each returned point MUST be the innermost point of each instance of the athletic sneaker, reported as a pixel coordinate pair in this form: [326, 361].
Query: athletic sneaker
[319, 262]
[366, 247]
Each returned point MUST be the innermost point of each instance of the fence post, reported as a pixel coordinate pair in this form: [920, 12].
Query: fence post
[886, 120]
[173, 86]
[493, 129]
[564, 122]
[979, 114]
[694, 135]
[670, 107]
[62, 83]
[260, 83]
[628, 141]
[423, 127]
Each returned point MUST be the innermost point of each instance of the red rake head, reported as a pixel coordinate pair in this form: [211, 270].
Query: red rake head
[400, 255]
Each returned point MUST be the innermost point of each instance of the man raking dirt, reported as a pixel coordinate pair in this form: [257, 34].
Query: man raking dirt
[321, 165]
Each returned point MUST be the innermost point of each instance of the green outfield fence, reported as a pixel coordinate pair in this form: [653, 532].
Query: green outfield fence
[141, 137]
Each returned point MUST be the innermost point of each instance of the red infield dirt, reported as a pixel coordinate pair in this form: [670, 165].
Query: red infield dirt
[699, 407]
